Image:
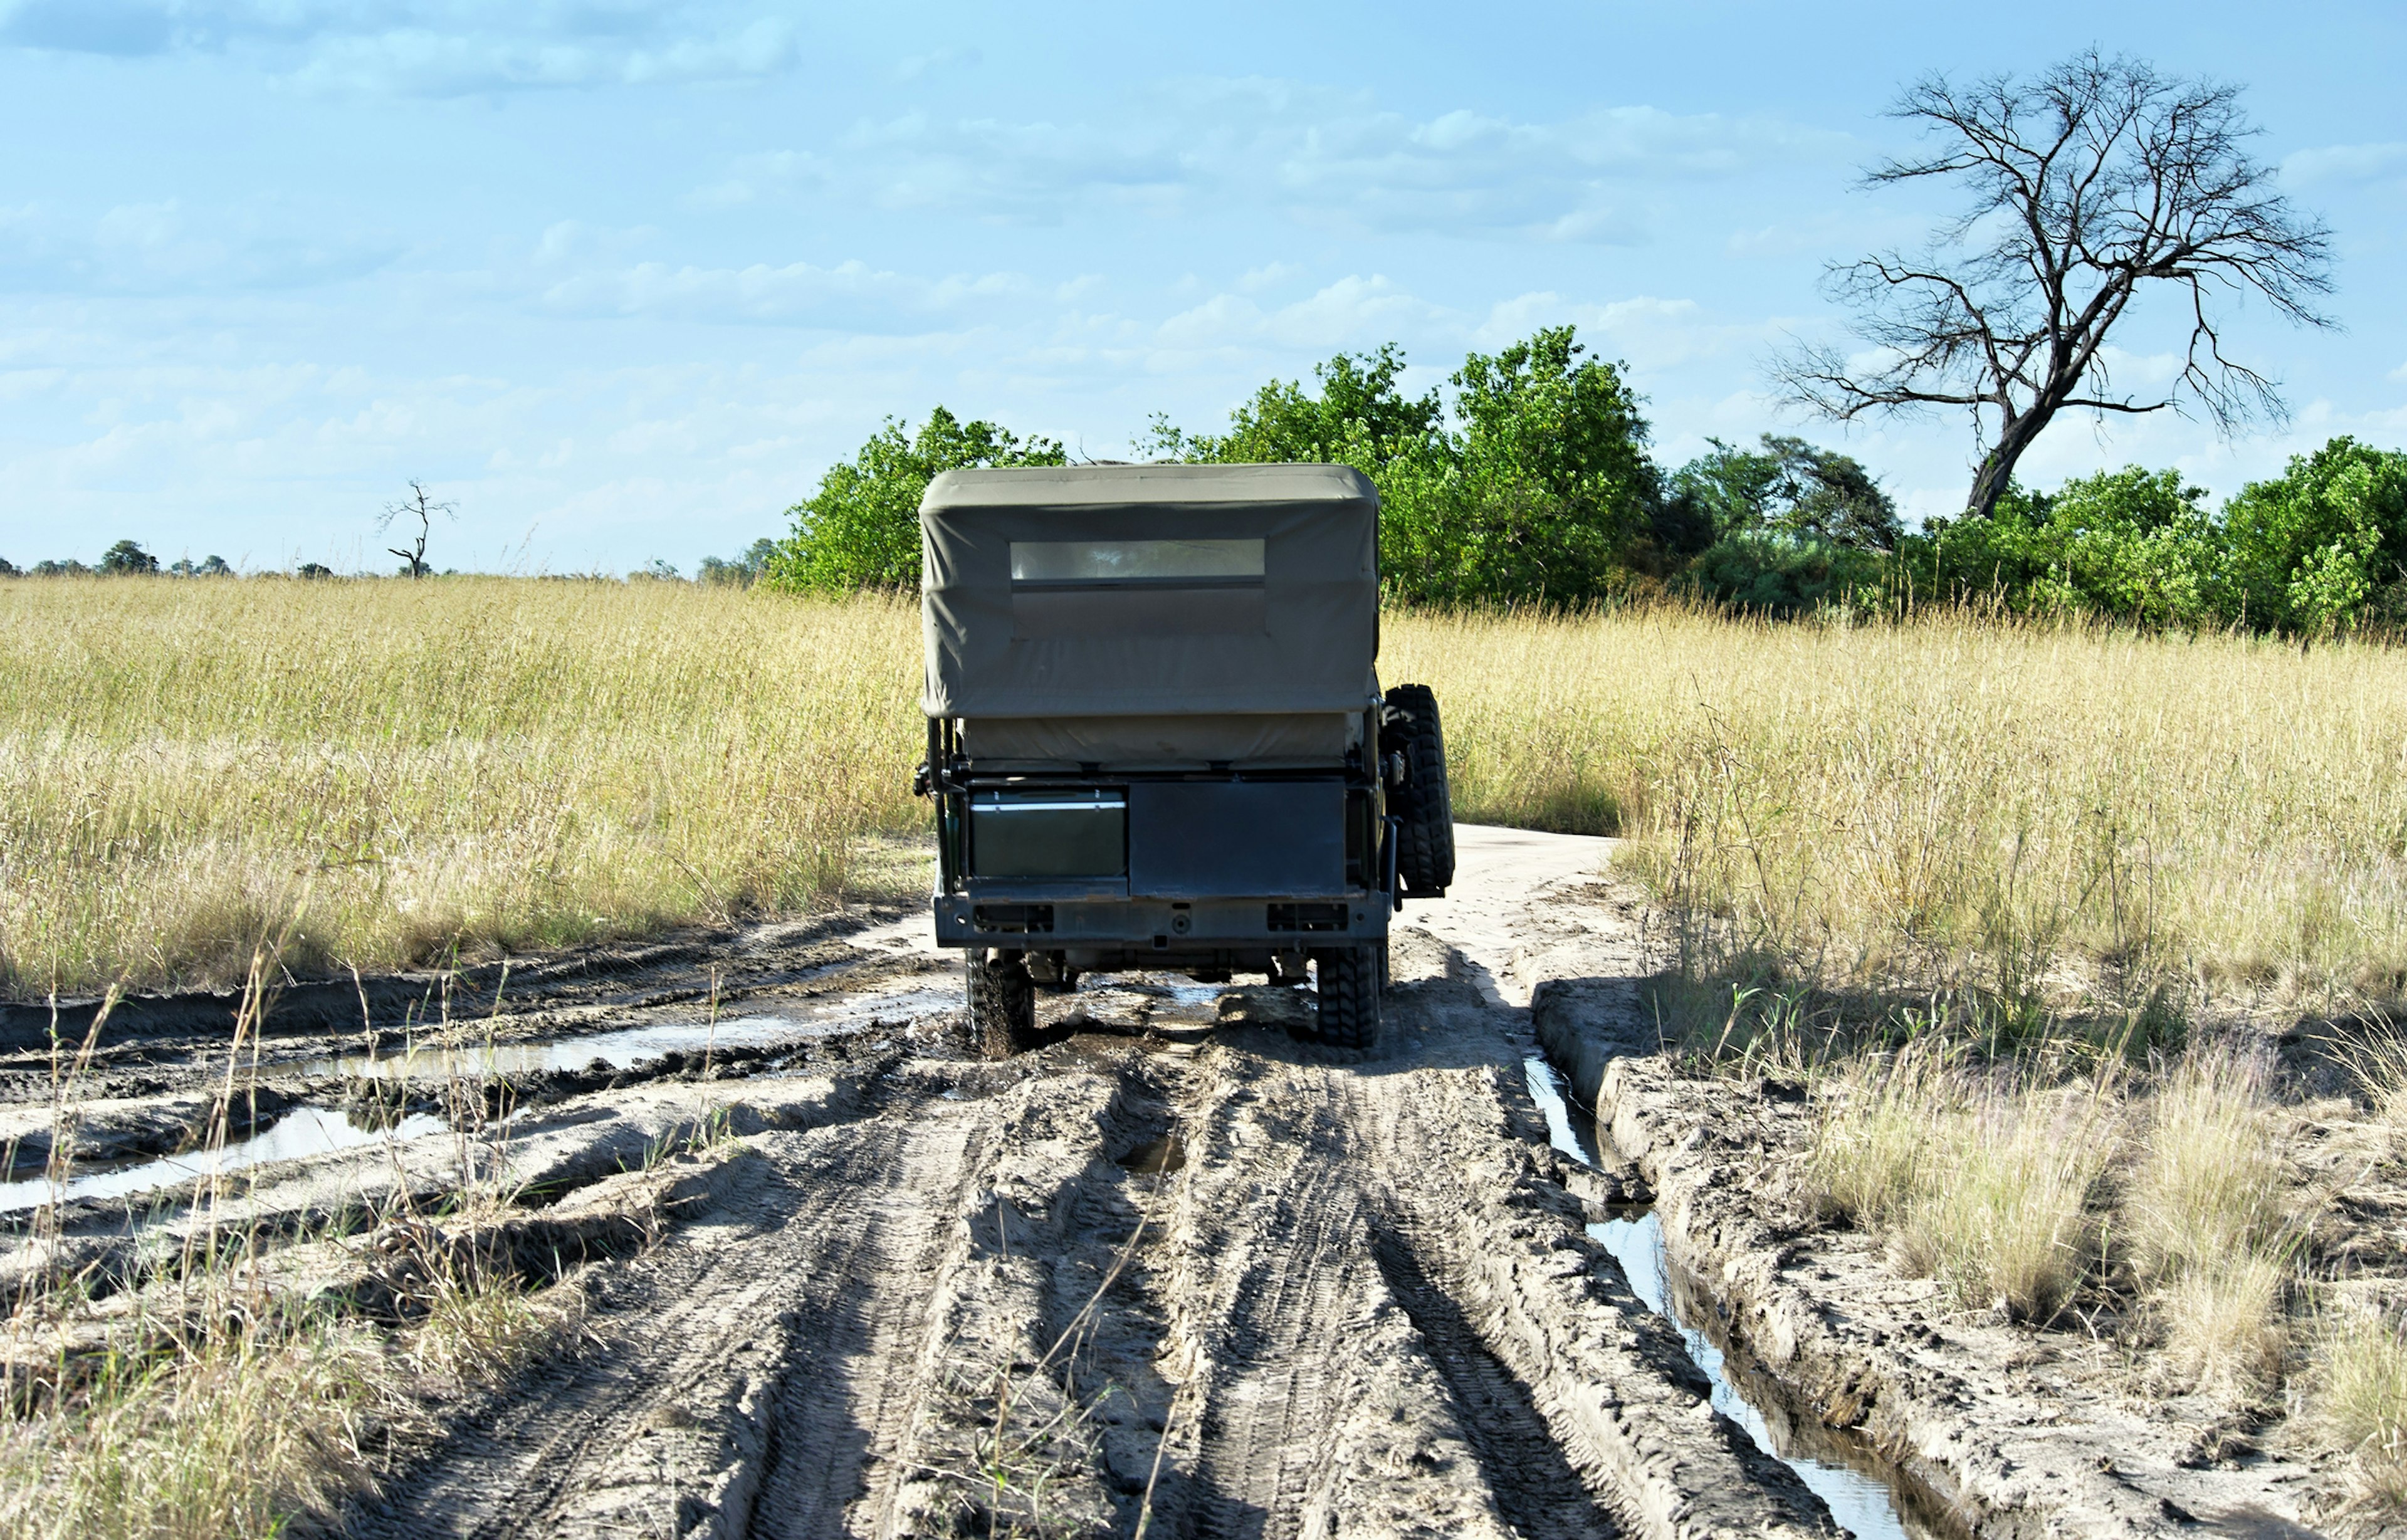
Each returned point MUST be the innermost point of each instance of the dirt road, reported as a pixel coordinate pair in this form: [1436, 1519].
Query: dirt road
[1173, 1271]
[1283, 1292]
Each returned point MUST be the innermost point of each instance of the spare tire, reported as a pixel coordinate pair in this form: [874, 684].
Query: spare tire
[1408, 726]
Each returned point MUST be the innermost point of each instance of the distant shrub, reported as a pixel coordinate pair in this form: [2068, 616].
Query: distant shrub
[742, 572]
[860, 529]
[125, 558]
[1784, 575]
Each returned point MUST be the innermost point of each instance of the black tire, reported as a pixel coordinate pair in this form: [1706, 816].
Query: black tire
[1425, 833]
[1348, 981]
[1003, 1003]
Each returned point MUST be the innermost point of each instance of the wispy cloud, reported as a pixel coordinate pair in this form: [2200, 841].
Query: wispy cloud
[849, 294]
[2346, 164]
[1324, 157]
[165, 248]
[426, 47]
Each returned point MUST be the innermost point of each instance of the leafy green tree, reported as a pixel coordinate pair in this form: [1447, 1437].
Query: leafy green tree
[125, 558]
[742, 572]
[1544, 494]
[1536, 489]
[860, 529]
[1361, 418]
[2324, 546]
[1789, 487]
[8, 569]
[1769, 573]
[2133, 544]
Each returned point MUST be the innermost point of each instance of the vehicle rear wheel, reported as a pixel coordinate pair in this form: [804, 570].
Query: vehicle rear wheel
[1348, 981]
[1003, 1003]
[1424, 806]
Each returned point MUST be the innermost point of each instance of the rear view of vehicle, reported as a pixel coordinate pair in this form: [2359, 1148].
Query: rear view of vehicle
[1155, 737]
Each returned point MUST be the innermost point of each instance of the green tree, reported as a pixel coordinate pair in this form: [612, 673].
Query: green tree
[2133, 544]
[2324, 545]
[742, 572]
[860, 529]
[1360, 417]
[1789, 487]
[1544, 494]
[125, 558]
[1536, 489]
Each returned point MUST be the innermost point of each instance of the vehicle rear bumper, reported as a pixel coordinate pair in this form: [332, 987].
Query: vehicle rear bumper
[1051, 924]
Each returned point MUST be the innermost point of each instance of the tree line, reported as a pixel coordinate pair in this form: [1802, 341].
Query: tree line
[1530, 482]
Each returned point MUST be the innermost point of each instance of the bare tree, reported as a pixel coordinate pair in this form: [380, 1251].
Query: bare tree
[419, 505]
[2097, 179]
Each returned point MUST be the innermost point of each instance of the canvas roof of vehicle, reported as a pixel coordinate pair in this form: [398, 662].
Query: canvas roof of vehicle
[1149, 590]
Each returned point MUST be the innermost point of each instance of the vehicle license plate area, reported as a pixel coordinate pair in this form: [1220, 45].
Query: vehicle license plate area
[1048, 835]
[1236, 839]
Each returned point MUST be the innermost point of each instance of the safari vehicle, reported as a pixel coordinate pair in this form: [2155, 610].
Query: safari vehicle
[1155, 737]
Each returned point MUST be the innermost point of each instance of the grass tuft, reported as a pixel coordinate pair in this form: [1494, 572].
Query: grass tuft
[1985, 1186]
[2358, 1391]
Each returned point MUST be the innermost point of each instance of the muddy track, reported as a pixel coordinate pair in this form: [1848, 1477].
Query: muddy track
[1173, 1270]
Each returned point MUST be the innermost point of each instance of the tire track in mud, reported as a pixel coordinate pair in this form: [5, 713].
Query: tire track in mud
[554, 1459]
[1330, 1304]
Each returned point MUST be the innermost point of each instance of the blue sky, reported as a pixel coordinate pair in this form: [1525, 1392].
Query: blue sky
[622, 279]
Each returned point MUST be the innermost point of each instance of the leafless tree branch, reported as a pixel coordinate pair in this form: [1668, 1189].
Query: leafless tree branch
[2087, 187]
[419, 505]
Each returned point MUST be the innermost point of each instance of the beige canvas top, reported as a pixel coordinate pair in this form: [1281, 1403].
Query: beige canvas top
[1101, 591]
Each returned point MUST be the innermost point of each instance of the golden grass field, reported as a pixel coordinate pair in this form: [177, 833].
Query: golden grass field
[2046, 812]
[2052, 814]
[470, 762]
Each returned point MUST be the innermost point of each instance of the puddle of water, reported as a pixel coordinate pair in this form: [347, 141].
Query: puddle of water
[1861, 1503]
[301, 1131]
[1565, 1133]
[631, 1045]
[1157, 1156]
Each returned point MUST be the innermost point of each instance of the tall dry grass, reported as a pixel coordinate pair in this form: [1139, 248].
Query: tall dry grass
[1983, 1179]
[465, 763]
[2058, 816]
[2038, 812]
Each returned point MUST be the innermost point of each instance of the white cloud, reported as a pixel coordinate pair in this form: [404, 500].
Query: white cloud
[1268, 276]
[850, 294]
[165, 248]
[2346, 164]
[1323, 157]
[918, 64]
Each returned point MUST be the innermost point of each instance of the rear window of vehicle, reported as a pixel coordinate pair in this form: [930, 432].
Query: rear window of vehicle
[1180, 563]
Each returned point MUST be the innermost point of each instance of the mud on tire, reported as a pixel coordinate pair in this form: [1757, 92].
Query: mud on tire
[1348, 981]
[1424, 807]
[1003, 1003]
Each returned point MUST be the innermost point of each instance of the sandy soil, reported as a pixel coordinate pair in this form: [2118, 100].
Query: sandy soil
[1173, 1270]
